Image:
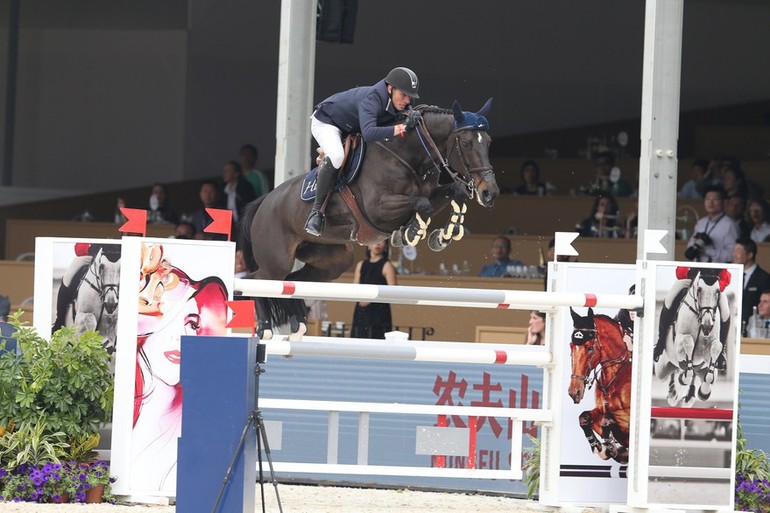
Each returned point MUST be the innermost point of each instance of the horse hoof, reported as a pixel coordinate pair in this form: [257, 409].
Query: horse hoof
[703, 396]
[397, 239]
[297, 335]
[436, 242]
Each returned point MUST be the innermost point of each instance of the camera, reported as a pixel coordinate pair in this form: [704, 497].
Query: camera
[700, 240]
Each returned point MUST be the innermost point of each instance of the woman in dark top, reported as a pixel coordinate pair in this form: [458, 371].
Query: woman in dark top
[373, 320]
[530, 178]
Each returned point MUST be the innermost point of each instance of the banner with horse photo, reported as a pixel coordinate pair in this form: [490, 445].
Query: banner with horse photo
[687, 383]
[77, 283]
[169, 288]
[589, 456]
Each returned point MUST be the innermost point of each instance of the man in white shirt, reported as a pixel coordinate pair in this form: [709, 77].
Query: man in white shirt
[714, 235]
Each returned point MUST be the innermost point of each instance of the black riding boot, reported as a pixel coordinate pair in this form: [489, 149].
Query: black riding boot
[724, 331]
[666, 318]
[63, 301]
[326, 177]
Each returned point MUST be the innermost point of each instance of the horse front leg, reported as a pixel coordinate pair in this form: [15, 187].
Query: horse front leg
[684, 346]
[417, 228]
[453, 230]
[590, 424]
[715, 349]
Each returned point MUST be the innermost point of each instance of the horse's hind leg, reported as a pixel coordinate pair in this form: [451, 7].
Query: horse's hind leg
[265, 326]
[453, 230]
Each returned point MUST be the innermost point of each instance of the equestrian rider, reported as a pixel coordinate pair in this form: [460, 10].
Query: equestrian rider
[84, 255]
[369, 110]
[685, 275]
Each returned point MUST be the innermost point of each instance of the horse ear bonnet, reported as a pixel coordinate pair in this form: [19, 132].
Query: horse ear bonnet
[471, 120]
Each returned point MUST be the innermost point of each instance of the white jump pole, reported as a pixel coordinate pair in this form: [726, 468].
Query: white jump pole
[447, 352]
[434, 296]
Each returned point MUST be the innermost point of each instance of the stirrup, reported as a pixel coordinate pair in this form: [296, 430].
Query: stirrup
[315, 223]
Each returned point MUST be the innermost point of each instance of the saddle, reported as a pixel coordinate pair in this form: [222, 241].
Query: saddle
[355, 149]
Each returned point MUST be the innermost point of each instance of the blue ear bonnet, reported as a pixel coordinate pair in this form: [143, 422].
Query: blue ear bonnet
[472, 121]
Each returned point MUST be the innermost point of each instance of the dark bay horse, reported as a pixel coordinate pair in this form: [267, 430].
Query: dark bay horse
[600, 357]
[443, 160]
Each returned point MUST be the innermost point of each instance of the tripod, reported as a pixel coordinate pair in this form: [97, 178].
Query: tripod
[254, 420]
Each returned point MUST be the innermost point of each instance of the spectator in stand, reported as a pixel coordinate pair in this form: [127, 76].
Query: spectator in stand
[733, 181]
[235, 191]
[693, 188]
[715, 234]
[7, 342]
[500, 251]
[531, 184]
[632, 222]
[159, 211]
[758, 213]
[603, 220]
[758, 326]
[209, 197]
[257, 178]
[536, 328]
[241, 270]
[607, 180]
[755, 279]
[373, 320]
[735, 208]
[184, 230]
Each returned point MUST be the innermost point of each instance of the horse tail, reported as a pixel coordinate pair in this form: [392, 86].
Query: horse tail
[244, 231]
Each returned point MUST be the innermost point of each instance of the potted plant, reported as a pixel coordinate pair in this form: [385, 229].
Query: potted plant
[54, 396]
[752, 477]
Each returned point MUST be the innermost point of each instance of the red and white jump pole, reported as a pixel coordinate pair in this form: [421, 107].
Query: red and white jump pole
[434, 296]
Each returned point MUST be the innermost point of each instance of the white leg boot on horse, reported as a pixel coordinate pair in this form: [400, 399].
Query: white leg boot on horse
[327, 175]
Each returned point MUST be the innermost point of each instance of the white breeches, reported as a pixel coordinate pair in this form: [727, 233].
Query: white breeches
[329, 138]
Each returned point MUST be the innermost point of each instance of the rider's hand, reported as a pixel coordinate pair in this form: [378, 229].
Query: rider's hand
[399, 130]
[412, 118]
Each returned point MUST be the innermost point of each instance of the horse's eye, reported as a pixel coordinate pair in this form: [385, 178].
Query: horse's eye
[466, 144]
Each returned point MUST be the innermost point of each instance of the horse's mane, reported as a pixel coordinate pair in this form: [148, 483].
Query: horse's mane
[426, 109]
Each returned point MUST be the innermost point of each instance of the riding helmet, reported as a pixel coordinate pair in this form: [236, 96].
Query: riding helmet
[405, 80]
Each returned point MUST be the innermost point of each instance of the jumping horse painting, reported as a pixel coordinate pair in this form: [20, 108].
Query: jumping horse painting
[601, 358]
[95, 306]
[693, 343]
[401, 183]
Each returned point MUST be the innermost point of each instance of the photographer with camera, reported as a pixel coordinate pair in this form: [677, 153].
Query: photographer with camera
[715, 234]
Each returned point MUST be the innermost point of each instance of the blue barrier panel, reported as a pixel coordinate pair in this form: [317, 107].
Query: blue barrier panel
[218, 382]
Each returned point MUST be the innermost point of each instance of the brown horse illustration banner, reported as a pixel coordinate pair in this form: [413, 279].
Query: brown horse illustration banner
[596, 346]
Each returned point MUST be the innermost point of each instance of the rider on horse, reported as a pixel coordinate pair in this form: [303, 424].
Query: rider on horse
[685, 275]
[362, 109]
[84, 255]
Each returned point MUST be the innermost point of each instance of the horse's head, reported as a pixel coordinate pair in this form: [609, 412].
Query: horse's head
[706, 291]
[468, 152]
[108, 274]
[582, 349]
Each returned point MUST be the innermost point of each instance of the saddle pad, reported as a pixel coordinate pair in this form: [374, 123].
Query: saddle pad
[352, 167]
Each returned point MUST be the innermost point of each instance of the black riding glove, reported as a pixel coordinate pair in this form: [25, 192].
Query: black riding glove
[412, 118]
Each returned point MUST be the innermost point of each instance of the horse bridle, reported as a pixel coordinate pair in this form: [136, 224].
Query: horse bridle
[443, 163]
[586, 379]
[698, 310]
[100, 287]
